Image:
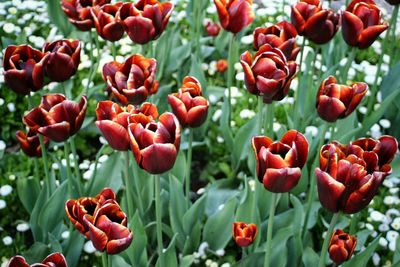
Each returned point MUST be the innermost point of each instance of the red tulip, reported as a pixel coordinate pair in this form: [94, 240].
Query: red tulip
[56, 117]
[212, 28]
[112, 121]
[133, 80]
[311, 21]
[281, 35]
[279, 163]
[76, 209]
[362, 23]
[188, 104]
[268, 74]
[53, 260]
[341, 246]
[78, 12]
[107, 26]
[146, 20]
[349, 175]
[23, 68]
[235, 15]
[154, 145]
[244, 234]
[337, 101]
[30, 143]
[62, 60]
[222, 65]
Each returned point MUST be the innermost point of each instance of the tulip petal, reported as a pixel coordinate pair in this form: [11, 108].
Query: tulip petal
[352, 28]
[329, 190]
[158, 158]
[57, 132]
[55, 259]
[370, 34]
[281, 180]
[329, 108]
[139, 29]
[115, 134]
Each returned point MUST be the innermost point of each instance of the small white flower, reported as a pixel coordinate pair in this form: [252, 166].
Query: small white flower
[252, 184]
[212, 98]
[88, 247]
[208, 262]
[389, 200]
[362, 110]
[396, 224]
[103, 158]
[1, 101]
[376, 259]
[7, 240]
[220, 252]
[220, 139]
[392, 245]
[214, 264]
[65, 235]
[388, 183]
[237, 66]
[247, 114]
[22, 227]
[392, 235]
[55, 166]
[11, 107]
[11, 177]
[369, 226]
[87, 175]
[220, 207]
[226, 264]
[201, 191]
[384, 227]
[3, 204]
[202, 249]
[385, 123]
[8, 27]
[240, 76]
[312, 130]
[248, 39]
[217, 115]
[5, 190]
[383, 242]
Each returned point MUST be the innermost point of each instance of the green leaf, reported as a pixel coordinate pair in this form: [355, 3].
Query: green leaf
[245, 211]
[36, 253]
[169, 255]
[218, 193]
[194, 214]
[186, 261]
[279, 241]
[196, 71]
[37, 230]
[310, 257]
[137, 252]
[218, 228]
[225, 127]
[361, 259]
[58, 17]
[242, 141]
[28, 191]
[72, 248]
[179, 168]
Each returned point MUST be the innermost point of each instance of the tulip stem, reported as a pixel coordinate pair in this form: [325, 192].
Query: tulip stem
[297, 93]
[128, 187]
[91, 60]
[269, 127]
[104, 259]
[268, 246]
[328, 236]
[231, 72]
[350, 60]
[157, 192]
[76, 161]
[92, 74]
[188, 166]
[95, 169]
[114, 50]
[45, 163]
[138, 187]
[69, 174]
[260, 115]
[393, 24]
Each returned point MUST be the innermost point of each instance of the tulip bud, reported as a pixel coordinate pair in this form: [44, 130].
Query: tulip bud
[107, 26]
[337, 101]
[53, 260]
[30, 143]
[146, 20]
[235, 15]
[362, 23]
[341, 246]
[189, 106]
[56, 117]
[62, 60]
[281, 35]
[222, 65]
[268, 74]
[132, 81]
[212, 28]
[278, 164]
[23, 68]
[244, 234]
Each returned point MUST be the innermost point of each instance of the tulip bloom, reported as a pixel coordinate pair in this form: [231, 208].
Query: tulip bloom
[337, 101]
[349, 175]
[279, 163]
[154, 145]
[281, 35]
[53, 260]
[62, 59]
[23, 68]
[222, 65]
[76, 209]
[314, 23]
[212, 28]
[146, 20]
[112, 121]
[362, 23]
[78, 12]
[244, 234]
[235, 15]
[341, 246]
[107, 26]
[189, 106]
[131, 81]
[30, 144]
[56, 117]
[268, 74]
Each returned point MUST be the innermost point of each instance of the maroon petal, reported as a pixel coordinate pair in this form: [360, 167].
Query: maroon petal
[17, 261]
[115, 134]
[370, 34]
[352, 27]
[140, 30]
[281, 180]
[158, 158]
[329, 190]
[56, 260]
[57, 132]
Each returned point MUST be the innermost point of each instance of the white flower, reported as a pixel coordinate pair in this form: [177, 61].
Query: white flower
[248, 39]
[1, 101]
[88, 247]
[7, 240]
[220, 252]
[102, 140]
[5, 190]
[384, 227]
[11, 107]
[55, 166]
[312, 130]
[3, 204]
[201, 191]
[385, 123]
[208, 262]
[202, 249]
[226, 264]
[392, 235]
[240, 76]
[376, 259]
[392, 245]
[8, 27]
[11, 177]
[362, 110]
[247, 114]
[220, 139]
[389, 200]
[217, 115]
[103, 158]
[383, 242]
[22, 227]
[396, 224]
[214, 264]
[87, 175]
[252, 184]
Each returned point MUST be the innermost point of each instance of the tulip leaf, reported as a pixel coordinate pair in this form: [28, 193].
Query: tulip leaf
[224, 125]
[361, 259]
[242, 141]
[28, 191]
[193, 239]
[137, 250]
[253, 259]
[72, 248]
[37, 230]
[280, 252]
[218, 228]
[177, 209]
[298, 214]
[179, 168]
[169, 255]
[310, 257]
[37, 252]
[245, 211]
[178, 55]
[194, 214]
[197, 72]
[187, 261]
[396, 255]
[218, 193]
[58, 17]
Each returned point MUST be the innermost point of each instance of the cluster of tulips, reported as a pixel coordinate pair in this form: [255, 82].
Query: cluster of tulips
[348, 176]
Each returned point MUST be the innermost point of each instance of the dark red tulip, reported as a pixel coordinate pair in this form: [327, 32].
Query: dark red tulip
[281, 35]
[189, 106]
[23, 68]
[78, 12]
[146, 20]
[362, 23]
[268, 74]
[155, 145]
[53, 260]
[56, 117]
[244, 234]
[222, 65]
[212, 28]
[349, 175]
[30, 144]
[132, 81]
[337, 101]
[235, 15]
[314, 23]
[341, 246]
[62, 60]
[279, 163]
[76, 209]
[393, 2]
[107, 26]
[112, 121]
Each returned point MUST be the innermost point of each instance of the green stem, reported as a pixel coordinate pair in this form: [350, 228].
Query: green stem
[350, 59]
[269, 123]
[393, 24]
[109, 260]
[76, 161]
[104, 259]
[91, 60]
[138, 187]
[36, 170]
[95, 169]
[45, 163]
[69, 175]
[268, 246]
[231, 72]
[114, 50]
[188, 166]
[328, 236]
[30, 102]
[353, 223]
[128, 185]
[297, 93]
[158, 218]
[260, 115]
